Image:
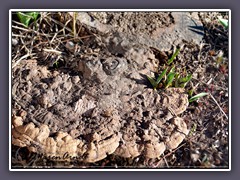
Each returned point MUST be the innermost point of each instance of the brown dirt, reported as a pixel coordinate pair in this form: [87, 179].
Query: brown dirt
[135, 22]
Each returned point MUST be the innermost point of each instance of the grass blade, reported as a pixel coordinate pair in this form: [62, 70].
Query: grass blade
[190, 92]
[176, 79]
[33, 15]
[153, 82]
[161, 76]
[24, 18]
[194, 98]
[224, 22]
[170, 79]
[172, 70]
[183, 81]
[173, 57]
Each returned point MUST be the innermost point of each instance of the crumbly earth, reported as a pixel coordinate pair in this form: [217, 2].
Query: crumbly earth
[136, 22]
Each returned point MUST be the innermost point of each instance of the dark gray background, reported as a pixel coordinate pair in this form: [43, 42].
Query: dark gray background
[128, 4]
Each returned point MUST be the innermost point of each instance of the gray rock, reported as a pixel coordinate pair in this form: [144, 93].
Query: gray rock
[185, 27]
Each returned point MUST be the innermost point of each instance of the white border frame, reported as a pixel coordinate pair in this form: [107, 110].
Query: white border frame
[116, 10]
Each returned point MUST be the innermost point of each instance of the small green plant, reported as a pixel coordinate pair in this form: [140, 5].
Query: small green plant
[173, 56]
[25, 18]
[196, 97]
[155, 83]
[224, 22]
[182, 82]
[56, 64]
[193, 129]
[171, 78]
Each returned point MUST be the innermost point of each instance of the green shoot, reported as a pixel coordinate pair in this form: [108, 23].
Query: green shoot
[194, 98]
[224, 22]
[193, 129]
[183, 81]
[25, 18]
[190, 92]
[173, 57]
[161, 76]
[172, 70]
[153, 82]
[170, 78]
[177, 79]
[55, 64]
[219, 60]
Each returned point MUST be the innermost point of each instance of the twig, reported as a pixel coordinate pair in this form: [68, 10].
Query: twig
[74, 23]
[53, 38]
[31, 30]
[23, 57]
[165, 161]
[17, 154]
[174, 150]
[18, 23]
[60, 24]
[17, 35]
[53, 51]
[24, 46]
[218, 105]
[200, 51]
[209, 82]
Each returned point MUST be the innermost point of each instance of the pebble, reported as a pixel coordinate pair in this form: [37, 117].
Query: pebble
[195, 157]
[14, 42]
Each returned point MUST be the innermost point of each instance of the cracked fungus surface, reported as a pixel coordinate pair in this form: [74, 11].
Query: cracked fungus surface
[106, 108]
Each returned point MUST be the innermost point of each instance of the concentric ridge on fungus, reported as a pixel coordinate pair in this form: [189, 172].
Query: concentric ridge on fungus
[87, 120]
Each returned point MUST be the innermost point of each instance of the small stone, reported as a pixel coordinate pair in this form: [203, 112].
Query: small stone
[70, 46]
[195, 157]
[216, 143]
[14, 42]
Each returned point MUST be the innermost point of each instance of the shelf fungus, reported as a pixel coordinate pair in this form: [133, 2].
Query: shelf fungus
[109, 110]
